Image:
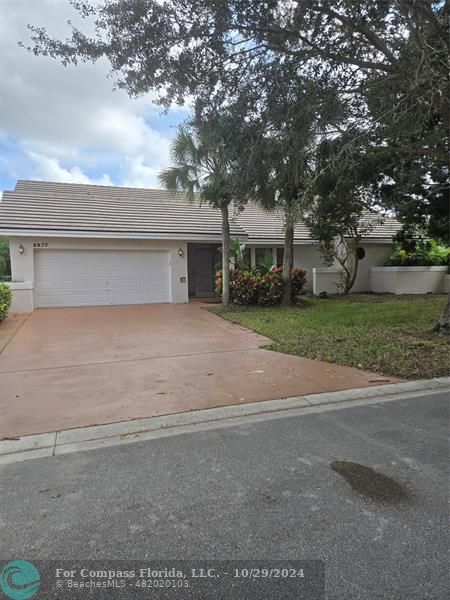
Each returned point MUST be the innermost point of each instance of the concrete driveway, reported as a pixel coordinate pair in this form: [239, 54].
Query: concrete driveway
[74, 367]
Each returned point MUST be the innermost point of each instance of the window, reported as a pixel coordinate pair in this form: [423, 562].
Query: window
[280, 257]
[263, 255]
[248, 256]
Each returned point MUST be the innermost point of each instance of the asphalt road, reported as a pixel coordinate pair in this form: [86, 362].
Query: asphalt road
[262, 490]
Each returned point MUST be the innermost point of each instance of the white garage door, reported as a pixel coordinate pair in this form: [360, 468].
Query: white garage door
[99, 277]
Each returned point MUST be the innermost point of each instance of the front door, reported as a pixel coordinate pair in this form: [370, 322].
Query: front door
[204, 277]
[201, 269]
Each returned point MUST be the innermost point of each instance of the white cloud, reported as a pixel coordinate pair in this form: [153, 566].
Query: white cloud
[70, 115]
[140, 175]
[49, 169]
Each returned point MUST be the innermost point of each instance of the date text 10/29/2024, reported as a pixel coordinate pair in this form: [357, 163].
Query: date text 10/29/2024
[195, 573]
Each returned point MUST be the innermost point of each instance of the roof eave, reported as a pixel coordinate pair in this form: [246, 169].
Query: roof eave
[191, 236]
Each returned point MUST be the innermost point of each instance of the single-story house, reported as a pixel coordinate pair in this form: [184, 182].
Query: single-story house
[83, 245]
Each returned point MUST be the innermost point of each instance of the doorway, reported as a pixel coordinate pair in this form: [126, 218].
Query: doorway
[203, 261]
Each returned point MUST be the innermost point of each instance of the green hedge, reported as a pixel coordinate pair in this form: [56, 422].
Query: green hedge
[5, 300]
[250, 287]
[424, 254]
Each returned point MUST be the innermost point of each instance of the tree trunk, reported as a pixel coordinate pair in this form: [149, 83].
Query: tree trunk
[351, 278]
[288, 263]
[225, 256]
[443, 325]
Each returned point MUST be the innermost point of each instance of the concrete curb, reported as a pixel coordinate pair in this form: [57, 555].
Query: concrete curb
[98, 436]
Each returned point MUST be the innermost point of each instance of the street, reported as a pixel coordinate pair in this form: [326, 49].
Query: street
[266, 490]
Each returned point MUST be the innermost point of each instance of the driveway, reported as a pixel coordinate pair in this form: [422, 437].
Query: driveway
[74, 367]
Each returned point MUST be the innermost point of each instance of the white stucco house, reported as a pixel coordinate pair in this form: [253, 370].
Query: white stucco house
[83, 245]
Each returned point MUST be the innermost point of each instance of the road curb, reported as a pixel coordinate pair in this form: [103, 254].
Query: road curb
[97, 436]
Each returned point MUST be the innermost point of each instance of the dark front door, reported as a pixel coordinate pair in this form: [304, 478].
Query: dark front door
[201, 269]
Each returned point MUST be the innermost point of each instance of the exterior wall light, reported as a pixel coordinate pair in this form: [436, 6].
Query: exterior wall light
[180, 252]
[21, 249]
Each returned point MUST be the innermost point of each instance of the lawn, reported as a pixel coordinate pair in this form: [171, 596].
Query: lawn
[385, 334]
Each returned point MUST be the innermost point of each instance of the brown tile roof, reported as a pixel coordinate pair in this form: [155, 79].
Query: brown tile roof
[68, 207]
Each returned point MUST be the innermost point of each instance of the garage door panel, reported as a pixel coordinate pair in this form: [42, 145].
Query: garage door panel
[100, 277]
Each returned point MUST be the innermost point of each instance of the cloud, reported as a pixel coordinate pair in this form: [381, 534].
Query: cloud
[140, 175]
[49, 169]
[67, 123]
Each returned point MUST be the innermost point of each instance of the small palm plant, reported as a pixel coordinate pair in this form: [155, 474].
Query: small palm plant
[203, 170]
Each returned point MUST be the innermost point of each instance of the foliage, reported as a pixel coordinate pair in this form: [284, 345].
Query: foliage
[244, 287]
[266, 289]
[266, 264]
[386, 62]
[341, 213]
[237, 252]
[298, 283]
[5, 263]
[270, 288]
[427, 253]
[388, 334]
[281, 136]
[5, 300]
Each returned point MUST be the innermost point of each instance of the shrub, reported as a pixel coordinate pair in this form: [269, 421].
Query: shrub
[298, 283]
[244, 287]
[5, 300]
[270, 289]
[218, 283]
[424, 254]
[251, 287]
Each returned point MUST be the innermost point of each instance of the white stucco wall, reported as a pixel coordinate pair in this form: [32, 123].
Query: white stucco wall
[22, 265]
[309, 257]
[22, 297]
[408, 280]
[326, 280]
[376, 255]
[447, 284]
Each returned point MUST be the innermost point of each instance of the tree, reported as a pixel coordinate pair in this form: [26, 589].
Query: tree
[5, 262]
[342, 212]
[282, 128]
[340, 223]
[203, 169]
[391, 61]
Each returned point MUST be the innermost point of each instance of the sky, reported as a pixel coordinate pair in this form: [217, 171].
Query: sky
[68, 124]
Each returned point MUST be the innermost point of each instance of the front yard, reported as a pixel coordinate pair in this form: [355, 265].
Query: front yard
[386, 334]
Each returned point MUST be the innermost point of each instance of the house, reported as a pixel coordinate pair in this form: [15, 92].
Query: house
[83, 245]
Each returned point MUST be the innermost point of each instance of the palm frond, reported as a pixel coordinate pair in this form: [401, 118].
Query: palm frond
[184, 148]
[180, 179]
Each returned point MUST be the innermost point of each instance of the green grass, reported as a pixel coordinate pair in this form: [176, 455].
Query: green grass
[385, 334]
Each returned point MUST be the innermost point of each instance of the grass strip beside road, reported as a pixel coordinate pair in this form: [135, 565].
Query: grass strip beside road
[386, 334]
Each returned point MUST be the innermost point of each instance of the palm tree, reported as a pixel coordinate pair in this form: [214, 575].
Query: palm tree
[203, 169]
[278, 181]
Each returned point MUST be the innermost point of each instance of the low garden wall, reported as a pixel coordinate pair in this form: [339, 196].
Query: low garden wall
[447, 284]
[388, 280]
[22, 299]
[408, 280]
[326, 280]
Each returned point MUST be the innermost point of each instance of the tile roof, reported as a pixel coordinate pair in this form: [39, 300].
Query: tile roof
[68, 207]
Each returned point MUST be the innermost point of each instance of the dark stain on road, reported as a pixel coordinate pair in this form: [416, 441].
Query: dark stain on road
[371, 484]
